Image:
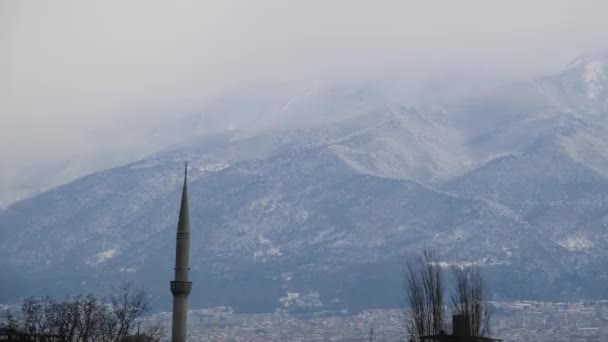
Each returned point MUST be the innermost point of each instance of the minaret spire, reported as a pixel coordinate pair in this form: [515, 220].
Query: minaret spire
[181, 286]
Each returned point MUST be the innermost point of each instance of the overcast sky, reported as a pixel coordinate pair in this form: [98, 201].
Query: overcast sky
[75, 74]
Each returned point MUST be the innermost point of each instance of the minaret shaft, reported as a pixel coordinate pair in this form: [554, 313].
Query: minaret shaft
[181, 286]
[182, 255]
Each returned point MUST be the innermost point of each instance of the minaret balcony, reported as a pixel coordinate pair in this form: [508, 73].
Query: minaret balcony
[181, 288]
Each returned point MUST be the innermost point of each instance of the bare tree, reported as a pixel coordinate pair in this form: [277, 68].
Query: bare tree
[128, 304]
[38, 316]
[425, 291]
[87, 318]
[91, 313]
[472, 298]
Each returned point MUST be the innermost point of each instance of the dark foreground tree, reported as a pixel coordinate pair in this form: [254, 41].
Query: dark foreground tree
[471, 297]
[87, 318]
[425, 290]
[425, 287]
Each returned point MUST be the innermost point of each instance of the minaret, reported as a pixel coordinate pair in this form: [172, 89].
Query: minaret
[181, 287]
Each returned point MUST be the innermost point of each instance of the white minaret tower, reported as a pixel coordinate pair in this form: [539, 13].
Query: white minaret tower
[181, 287]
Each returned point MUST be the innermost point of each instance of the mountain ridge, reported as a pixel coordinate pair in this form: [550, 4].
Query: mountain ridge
[513, 181]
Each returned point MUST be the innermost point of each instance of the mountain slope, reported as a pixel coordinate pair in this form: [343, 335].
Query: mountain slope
[514, 180]
[298, 214]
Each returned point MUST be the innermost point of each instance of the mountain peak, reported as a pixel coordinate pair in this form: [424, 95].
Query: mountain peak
[588, 75]
[595, 78]
[586, 59]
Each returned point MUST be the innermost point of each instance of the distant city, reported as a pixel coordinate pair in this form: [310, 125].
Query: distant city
[520, 321]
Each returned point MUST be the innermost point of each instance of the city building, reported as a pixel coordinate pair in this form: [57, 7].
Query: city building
[8, 334]
[461, 332]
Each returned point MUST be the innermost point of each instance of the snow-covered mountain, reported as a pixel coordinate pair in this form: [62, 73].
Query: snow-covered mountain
[514, 180]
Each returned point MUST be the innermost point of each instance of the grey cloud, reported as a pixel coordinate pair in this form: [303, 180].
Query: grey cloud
[83, 78]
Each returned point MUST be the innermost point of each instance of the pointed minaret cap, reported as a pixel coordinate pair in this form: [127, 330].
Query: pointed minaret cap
[184, 222]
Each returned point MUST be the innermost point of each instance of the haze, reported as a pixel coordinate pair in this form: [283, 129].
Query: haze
[91, 82]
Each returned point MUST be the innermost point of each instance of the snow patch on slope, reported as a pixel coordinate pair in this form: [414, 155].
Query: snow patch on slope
[267, 251]
[104, 256]
[576, 243]
[406, 144]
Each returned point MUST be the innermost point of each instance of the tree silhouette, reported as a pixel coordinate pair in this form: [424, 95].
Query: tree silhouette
[425, 288]
[425, 291]
[472, 298]
[87, 318]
